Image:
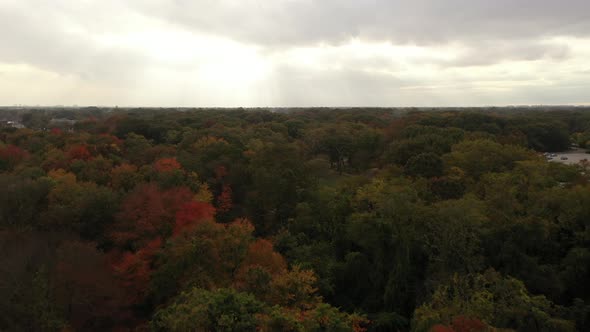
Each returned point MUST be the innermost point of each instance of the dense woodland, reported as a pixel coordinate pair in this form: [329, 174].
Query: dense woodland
[298, 220]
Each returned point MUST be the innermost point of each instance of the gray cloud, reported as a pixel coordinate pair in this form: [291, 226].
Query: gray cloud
[287, 22]
[492, 52]
[37, 37]
[493, 31]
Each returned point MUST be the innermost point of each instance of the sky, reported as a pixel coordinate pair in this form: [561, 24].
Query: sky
[294, 53]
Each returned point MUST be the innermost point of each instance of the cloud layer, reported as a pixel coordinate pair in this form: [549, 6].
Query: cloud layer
[294, 52]
[287, 22]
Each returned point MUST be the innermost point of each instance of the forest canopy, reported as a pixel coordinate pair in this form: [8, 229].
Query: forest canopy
[293, 220]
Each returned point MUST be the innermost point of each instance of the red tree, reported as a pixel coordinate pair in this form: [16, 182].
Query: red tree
[167, 165]
[224, 200]
[220, 172]
[148, 213]
[461, 324]
[135, 269]
[261, 253]
[441, 328]
[85, 284]
[465, 324]
[191, 214]
[79, 152]
[56, 131]
[11, 155]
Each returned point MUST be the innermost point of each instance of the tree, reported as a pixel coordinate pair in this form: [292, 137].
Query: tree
[451, 237]
[22, 201]
[82, 207]
[447, 187]
[224, 200]
[134, 269]
[125, 177]
[44, 314]
[135, 147]
[482, 156]
[78, 152]
[415, 140]
[462, 324]
[96, 170]
[295, 289]
[205, 254]
[10, 156]
[148, 213]
[386, 240]
[277, 179]
[426, 164]
[502, 302]
[167, 165]
[546, 135]
[85, 286]
[202, 310]
[229, 310]
[192, 213]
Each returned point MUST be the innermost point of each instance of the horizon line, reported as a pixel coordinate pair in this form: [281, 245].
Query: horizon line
[296, 107]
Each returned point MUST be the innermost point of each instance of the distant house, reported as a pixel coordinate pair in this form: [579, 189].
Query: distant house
[13, 124]
[65, 124]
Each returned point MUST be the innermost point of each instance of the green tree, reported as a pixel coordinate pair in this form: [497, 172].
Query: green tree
[483, 156]
[202, 310]
[425, 164]
[502, 302]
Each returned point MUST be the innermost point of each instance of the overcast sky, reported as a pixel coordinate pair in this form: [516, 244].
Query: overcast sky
[294, 52]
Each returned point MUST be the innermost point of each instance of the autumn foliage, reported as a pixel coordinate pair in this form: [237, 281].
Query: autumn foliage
[192, 213]
[79, 152]
[11, 155]
[167, 165]
[302, 220]
[84, 281]
[462, 324]
[262, 254]
[149, 216]
[135, 268]
[224, 200]
[125, 177]
[148, 213]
